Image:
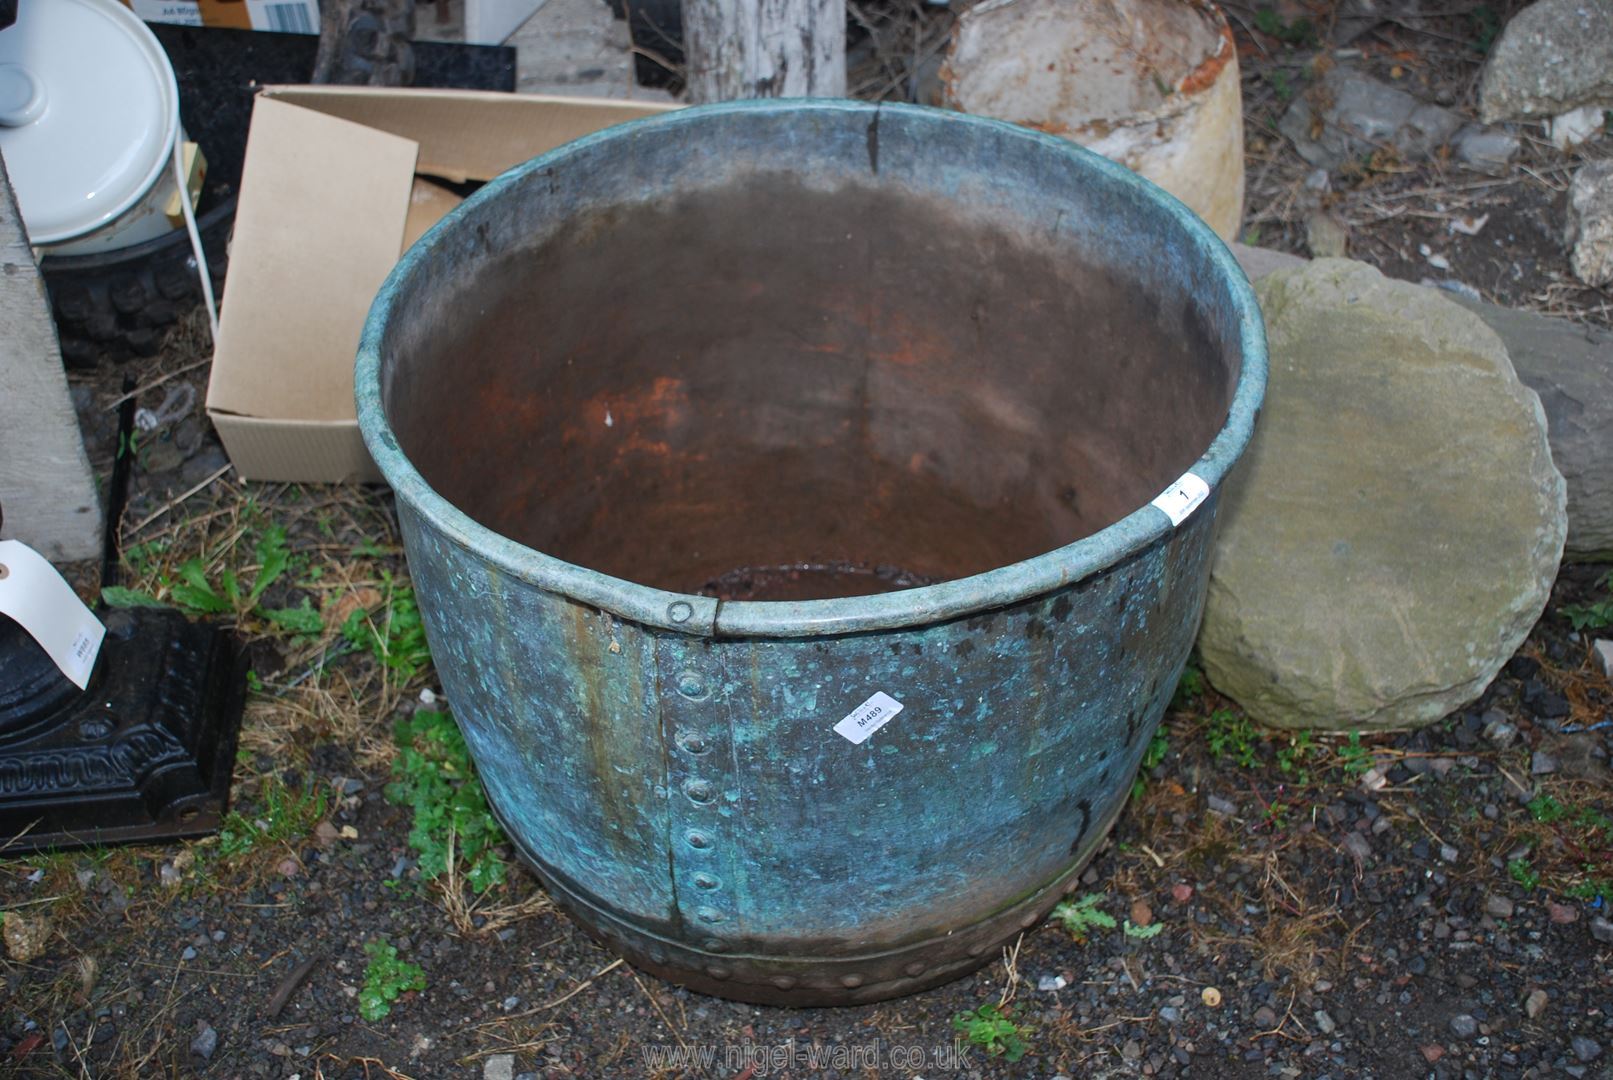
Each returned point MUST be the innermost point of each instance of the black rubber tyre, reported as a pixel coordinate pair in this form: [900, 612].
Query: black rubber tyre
[120, 304]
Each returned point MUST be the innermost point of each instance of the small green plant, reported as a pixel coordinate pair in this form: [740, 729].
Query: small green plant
[992, 1028]
[1081, 917]
[1189, 688]
[1143, 933]
[129, 446]
[1355, 759]
[1597, 615]
[1230, 733]
[1591, 887]
[194, 593]
[1545, 809]
[453, 824]
[1292, 758]
[395, 636]
[1524, 874]
[1281, 85]
[287, 816]
[1297, 33]
[385, 978]
[120, 596]
[1159, 745]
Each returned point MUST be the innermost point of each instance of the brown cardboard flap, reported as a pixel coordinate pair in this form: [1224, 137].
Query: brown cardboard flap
[322, 210]
[304, 450]
[469, 134]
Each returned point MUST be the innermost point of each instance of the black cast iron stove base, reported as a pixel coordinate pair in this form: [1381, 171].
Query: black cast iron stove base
[145, 753]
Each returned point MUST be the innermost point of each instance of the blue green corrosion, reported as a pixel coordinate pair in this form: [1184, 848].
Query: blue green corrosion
[668, 762]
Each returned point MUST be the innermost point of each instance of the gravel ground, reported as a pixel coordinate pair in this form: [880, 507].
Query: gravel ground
[1325, 908]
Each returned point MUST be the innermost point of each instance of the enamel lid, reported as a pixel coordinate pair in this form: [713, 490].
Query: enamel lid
[88, 113]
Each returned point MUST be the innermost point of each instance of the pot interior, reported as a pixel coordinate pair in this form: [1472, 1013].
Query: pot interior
[761, 389]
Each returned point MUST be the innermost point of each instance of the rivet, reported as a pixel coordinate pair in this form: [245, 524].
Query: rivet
[679, 611]
[784, 982]
[691, 685]
[717, 971]
[692, 742]
[697, 839]
[4, 573]
[1029, 920]
[699, 791]
[708, 915]
[656, 954]
[714, 944]
[1070, 886]
[706, 881]
[851, 982]
[915, 969]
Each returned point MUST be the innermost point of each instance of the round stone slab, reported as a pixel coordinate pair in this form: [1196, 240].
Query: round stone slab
[1395, 527]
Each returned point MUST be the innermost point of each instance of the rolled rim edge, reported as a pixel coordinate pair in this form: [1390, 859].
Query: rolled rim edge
[705, 616]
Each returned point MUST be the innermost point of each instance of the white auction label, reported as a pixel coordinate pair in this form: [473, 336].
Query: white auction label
[1182, 498]
[868, 717]
[33, 593]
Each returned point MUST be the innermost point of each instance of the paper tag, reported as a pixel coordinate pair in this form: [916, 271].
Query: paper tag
[1182, 498]
[868, 717]
[33, 593]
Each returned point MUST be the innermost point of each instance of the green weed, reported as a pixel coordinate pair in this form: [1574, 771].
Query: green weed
[992, 1028]
[1597, 615]
[1230, 733]
[287, 816]
[1081, 917]
[1158, 746]
[1281, 85]
[118, 596]
[1142, 933]
[1591, 887]
[385, 978]
[1189, 688]
[1355, 759]
[1300, 32]
[453, 824]
[1524, 874]
[1548, 810]
[194, 593]
[395, 636]
[1292, 759]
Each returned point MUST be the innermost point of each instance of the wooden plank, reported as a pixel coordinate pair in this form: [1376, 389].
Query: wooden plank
[47, 491]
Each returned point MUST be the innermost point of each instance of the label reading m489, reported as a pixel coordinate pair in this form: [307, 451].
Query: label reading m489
[868, 717]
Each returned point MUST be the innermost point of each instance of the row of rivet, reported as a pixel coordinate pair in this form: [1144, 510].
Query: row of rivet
[698, 839]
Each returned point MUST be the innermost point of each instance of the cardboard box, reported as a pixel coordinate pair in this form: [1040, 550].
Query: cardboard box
[331, 195]
[286, 16]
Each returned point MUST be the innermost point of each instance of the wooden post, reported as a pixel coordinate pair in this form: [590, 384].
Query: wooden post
[47, 492]
[764, 48]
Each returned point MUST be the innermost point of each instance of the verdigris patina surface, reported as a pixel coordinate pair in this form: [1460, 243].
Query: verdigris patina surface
[782, 485]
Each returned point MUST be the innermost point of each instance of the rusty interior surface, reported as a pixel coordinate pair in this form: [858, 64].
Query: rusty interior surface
[770, 392]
